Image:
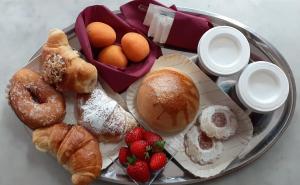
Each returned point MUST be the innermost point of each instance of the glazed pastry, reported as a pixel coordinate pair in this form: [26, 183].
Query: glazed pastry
[74, 147]
[218, 121]
[103, 116]
[167, 100]
[63, 67]
[36, 103]
[200, 148]
[135, 46]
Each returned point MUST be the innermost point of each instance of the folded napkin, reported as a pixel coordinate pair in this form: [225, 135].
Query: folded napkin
[186, 29]
[118, 80]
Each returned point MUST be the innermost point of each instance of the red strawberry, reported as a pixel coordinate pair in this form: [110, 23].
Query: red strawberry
[134, 135]
[140, 149]
[151, 137]
[139, 171]
[158, 161]
[124, 153]
[154, 140]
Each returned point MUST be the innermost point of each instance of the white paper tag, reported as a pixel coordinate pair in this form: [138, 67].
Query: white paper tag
[160, 20]
[149, 15]
[158, 29]
[167, 24]
[153, 25]
[155, 9]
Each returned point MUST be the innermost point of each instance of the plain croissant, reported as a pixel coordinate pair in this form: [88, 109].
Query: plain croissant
[63, 67]
[74, 147]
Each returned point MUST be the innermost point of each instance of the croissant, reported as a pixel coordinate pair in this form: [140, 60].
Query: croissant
[103, 116]
[63, 67]
[74, 147]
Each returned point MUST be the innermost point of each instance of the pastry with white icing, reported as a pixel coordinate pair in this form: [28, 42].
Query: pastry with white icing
[103, 116]
[218, 121]
[200, 148]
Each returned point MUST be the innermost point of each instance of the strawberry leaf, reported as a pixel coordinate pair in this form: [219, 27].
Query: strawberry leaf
[147, 155]
[160, 144]
[131, 159]
[148, 148]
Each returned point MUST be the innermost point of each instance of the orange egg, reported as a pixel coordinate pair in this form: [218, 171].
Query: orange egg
[113, 55]
[135, 46]
[100, 34]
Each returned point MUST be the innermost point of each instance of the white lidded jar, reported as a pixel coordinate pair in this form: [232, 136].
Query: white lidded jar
[223, 51]
[262, 87]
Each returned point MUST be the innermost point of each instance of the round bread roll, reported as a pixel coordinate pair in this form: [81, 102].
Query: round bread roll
[167, 100]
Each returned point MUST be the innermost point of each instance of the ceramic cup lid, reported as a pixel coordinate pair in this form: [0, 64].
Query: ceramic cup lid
[262, 87]
[223, 51]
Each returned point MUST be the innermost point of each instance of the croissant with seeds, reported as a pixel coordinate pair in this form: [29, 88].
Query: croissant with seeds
[63, 67]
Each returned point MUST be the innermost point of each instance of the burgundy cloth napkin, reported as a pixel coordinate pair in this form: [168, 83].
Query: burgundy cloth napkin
[119, 80]
[186, 29]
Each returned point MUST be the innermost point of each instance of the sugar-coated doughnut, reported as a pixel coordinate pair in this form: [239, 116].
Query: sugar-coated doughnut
[35, 102]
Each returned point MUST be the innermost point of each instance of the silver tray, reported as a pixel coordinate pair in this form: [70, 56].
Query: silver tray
[267, 128]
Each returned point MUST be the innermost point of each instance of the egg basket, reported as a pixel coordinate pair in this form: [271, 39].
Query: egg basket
[118, 79]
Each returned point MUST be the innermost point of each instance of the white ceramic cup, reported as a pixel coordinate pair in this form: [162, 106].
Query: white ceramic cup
[262, 87]
[223, 51]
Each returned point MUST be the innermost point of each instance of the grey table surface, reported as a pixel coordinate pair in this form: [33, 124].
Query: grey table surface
[24, 25]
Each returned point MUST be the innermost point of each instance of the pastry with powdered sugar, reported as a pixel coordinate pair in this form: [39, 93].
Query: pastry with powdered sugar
[103, 116]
